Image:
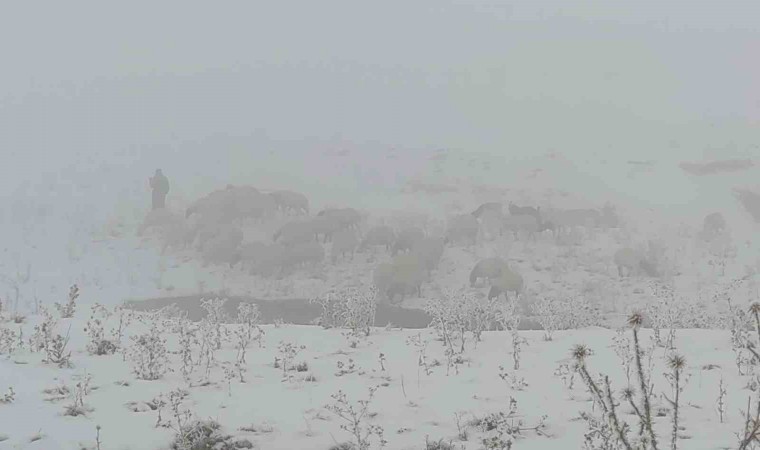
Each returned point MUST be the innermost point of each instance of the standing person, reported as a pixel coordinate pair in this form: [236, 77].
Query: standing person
[160, 185]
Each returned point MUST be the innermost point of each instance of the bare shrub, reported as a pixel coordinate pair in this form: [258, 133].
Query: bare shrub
[148, 354]
[355, 418]
[68, 309]
[350, 308]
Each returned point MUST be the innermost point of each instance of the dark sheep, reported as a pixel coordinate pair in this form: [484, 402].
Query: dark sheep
[379, 235]
[529, 210]
[294, 233]
[463, 227]
[402, 276]
[223, 248]
[429, 251]
[488, 268]
[348, 217]
[508, 281]
[490, 206]
[521, 224]
[343, 243]
[304, 255]
[291, 202]
[406, 239]
[325, 226]
[252, 204]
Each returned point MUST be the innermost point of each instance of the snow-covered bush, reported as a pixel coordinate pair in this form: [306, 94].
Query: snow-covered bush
[95, 329]
[355, 418]
[81, 390]
[564, 313]
[67, 309]
[8, 397]
[215, 319]
[148, 354]
[350, 308]
[248, 331]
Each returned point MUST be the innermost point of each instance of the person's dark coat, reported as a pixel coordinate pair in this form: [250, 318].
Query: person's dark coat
[160, 185]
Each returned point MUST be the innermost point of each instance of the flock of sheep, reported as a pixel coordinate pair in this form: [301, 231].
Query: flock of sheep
[213, 226]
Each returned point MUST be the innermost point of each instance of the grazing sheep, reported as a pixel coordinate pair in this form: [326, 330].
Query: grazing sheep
[406, 239]
[348, 217]
[223, 248]
[303, 255]
[463, 227]
[219, 206]
[289, 201]
[429, 251]
[270, 260]
[713, 225]
[294, 233]
[631, 262]
[527, 210]
[508, 281]
[495, 207]
[379, 235]
[488, 268]
[325, 226]
[521, 224]
[249, 203]
[402, 276]
[178, 236]
[343, 242]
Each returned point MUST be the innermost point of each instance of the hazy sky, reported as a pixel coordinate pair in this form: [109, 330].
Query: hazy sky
[139, 77]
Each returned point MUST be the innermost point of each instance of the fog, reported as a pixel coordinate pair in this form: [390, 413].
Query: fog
[213, 93]
[360, 180]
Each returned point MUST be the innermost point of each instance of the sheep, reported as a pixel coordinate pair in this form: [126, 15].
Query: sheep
[429, 251]
[223, 248]
[634, 262]
[219, 206]
[403, 275]
[529, 210]
[289, 201]
[304, 254]
[294, 233]
[488, 268]
[250, 203]
[343, 242]
[178, 236]
[495, 207]
[270, 261]
[406, 239]
[521, 224]
[508, 281]
[248, 254]
[325, 226]
[348, 217]
[463, 227]
[379, 235]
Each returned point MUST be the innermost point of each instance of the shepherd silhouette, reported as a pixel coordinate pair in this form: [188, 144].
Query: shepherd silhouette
[160, 185]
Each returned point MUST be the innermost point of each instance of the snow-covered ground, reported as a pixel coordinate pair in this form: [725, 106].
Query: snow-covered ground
[76, 224]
